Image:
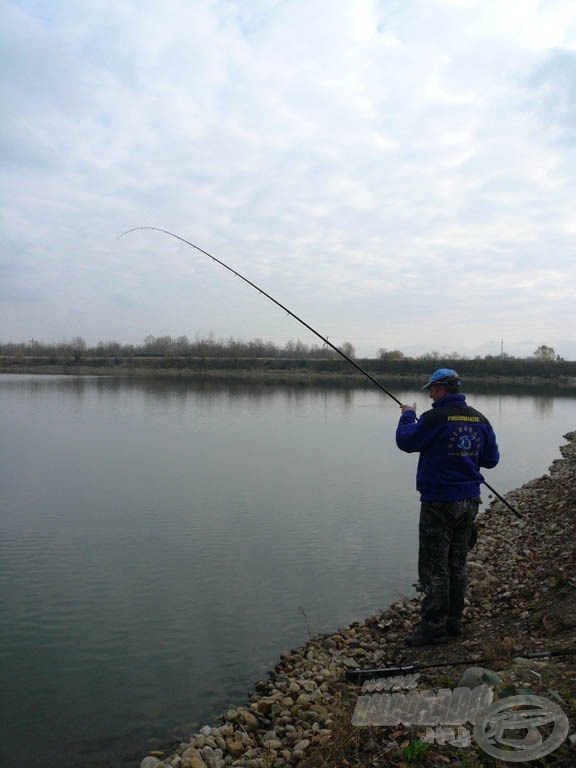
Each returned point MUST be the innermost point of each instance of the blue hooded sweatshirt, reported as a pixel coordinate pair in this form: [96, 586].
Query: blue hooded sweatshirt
[454, 441]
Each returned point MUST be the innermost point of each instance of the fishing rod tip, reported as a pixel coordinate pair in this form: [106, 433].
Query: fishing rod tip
[133, 229]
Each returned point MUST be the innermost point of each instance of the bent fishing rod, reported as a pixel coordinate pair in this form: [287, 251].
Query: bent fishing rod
[278, 304]
[348, 359]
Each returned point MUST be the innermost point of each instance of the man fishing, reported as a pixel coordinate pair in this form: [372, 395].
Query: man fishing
[454, 441]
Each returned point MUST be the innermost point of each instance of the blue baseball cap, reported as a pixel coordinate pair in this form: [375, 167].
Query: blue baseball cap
[443, 376]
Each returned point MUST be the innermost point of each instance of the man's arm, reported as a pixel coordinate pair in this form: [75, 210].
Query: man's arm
[490, 454]
[411, 433]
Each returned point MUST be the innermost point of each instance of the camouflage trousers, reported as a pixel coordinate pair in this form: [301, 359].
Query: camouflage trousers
[446, 534]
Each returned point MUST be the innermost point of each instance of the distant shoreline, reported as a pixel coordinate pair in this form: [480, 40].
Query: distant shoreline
[278, 371]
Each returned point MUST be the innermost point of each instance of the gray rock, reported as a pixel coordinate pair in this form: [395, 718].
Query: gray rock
[274, 744]
[269, 736]
[248, 718]
[474, 676]
[151, 762]
[302, 745]
[214, 758]
[191, 753]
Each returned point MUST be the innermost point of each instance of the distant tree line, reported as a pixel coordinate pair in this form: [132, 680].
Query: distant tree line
[166, 346]
[543, 353]
[77, 349]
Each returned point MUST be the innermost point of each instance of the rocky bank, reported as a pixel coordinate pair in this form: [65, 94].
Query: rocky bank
[521, 599]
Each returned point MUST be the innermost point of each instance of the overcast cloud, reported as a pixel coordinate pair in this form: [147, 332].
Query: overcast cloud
[401, 174]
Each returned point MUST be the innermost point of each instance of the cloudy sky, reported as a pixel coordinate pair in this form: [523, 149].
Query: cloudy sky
[400, 173]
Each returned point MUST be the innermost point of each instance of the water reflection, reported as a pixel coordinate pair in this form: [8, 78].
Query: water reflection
[175, 386]
[543, 405]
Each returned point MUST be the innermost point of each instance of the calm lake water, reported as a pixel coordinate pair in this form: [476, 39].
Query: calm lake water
[160, 542]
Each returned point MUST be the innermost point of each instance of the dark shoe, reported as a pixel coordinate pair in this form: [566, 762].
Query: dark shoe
[425, 638]
[454, 630]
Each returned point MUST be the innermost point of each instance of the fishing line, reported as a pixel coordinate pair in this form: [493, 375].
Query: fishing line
[302, 322]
